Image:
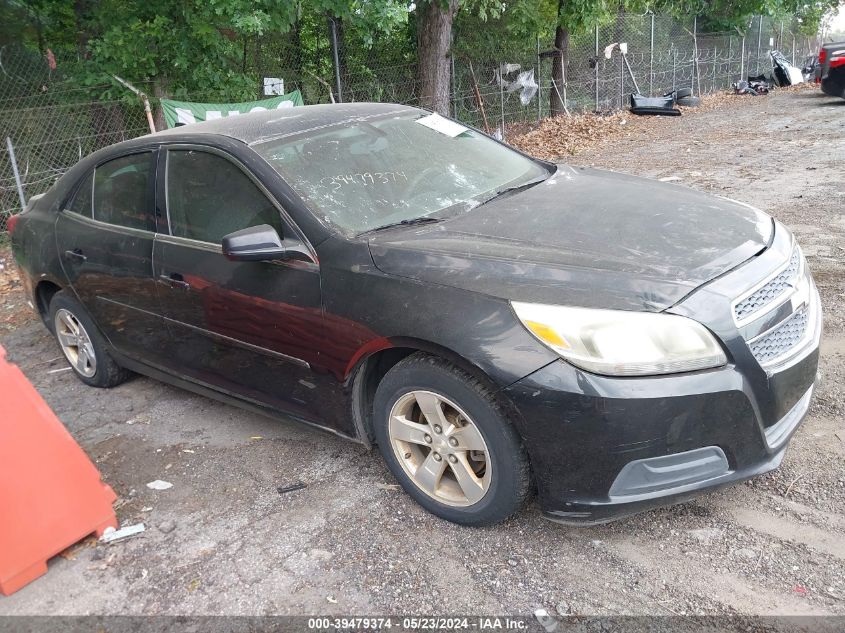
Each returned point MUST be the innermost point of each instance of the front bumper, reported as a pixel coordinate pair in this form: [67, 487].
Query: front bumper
[603, 448]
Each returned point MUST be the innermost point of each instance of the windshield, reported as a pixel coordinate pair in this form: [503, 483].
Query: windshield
[365, 174]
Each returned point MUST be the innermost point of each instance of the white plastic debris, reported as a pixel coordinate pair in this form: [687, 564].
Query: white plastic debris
[110, 535]
[158, 484]
[546, 620]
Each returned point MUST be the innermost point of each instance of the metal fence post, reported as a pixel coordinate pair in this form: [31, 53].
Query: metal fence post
[502, 98]
[793, 50]
[715, 57]
[651, 60]
[596, 69]
[621, 80]
[16, 172]
[694, 73]
[674, 69]
[335, 56]
[780, 37]
[730, 58]
[453, 82]
[759, 40]
[539, 84]
[742, 60]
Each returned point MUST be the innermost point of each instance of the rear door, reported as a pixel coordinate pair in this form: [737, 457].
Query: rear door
[246, 328]
[105, 241]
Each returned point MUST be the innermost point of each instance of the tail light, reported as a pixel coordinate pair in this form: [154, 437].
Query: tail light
[822, 57]
[836, 62]
[11, 221]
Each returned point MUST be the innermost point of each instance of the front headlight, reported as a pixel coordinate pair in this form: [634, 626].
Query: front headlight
[619, 343]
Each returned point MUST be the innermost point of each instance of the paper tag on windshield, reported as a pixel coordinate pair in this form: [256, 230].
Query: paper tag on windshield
[442, 125]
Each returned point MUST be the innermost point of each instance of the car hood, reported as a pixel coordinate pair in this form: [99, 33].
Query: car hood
[583, 237]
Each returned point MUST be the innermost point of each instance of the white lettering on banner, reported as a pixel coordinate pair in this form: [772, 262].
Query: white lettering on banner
[183, 115]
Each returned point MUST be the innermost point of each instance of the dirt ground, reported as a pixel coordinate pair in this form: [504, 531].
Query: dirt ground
[223, 540]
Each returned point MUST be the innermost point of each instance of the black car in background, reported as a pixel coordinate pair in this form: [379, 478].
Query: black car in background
[824, 57]
[494, 323]
[832, 62]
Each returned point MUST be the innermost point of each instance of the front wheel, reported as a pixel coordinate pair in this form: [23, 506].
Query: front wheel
[448, 442]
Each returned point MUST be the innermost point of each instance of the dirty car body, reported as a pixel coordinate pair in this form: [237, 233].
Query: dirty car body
[311, 331]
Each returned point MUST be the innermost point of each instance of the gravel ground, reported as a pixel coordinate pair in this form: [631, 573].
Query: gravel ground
[223, 540]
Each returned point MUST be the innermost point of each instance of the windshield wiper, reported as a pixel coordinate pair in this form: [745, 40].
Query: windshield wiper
[512, 189]
[410, 222]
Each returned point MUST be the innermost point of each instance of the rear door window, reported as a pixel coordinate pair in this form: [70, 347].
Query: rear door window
[122, 192]
[209, 197]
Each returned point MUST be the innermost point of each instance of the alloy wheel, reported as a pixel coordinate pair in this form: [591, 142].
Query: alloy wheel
[75, 343]
[440, 448]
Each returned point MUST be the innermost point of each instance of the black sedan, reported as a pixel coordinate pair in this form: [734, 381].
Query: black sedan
[494, 323]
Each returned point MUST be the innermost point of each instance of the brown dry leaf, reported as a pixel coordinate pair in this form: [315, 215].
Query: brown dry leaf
[73, 551]
[562, 136]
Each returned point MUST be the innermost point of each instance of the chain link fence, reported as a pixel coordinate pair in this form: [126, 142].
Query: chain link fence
[503, 85]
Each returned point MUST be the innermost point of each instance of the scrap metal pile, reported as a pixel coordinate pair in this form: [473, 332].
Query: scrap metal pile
[783, 74]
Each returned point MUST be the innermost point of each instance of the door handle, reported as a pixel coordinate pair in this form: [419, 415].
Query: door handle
[76, 254]
[175, 280]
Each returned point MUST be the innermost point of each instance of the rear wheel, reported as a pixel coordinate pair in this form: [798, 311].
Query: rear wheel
[448, 442]
[82, 344]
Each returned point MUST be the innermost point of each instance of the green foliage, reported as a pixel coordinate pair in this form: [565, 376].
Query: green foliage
[217, 50]
[723, 15]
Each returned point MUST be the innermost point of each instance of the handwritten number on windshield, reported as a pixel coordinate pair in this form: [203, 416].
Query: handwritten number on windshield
[366, 179]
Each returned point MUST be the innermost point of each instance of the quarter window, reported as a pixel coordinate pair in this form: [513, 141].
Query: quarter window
[122, 192]
[209, 197]
[82, 199]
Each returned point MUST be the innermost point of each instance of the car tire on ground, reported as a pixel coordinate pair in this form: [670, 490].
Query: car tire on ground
[680, 93]
[690, 102]
[449, 443]
[82, 344]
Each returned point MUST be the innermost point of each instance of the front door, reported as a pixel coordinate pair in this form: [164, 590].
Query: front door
[246, 328]
[105, 241]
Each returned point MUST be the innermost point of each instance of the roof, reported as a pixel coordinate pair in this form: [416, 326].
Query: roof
[256, 127]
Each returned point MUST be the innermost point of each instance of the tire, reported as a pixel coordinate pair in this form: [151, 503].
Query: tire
[484, 476]
[690, 102]
[682, 93]
[82, 344]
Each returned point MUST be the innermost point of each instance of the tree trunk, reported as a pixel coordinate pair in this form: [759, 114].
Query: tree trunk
[160, 91]
[341, 58]
[556, 105]
[434, 38]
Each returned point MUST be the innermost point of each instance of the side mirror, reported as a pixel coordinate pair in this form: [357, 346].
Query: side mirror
[254, 244]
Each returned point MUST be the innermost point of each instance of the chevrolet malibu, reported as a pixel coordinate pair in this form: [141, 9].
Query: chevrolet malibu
[495, 324]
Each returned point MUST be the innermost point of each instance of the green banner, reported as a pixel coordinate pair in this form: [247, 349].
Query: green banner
[185, 112]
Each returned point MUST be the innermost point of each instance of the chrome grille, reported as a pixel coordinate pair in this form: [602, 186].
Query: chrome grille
[783, 338]
[773, 289]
